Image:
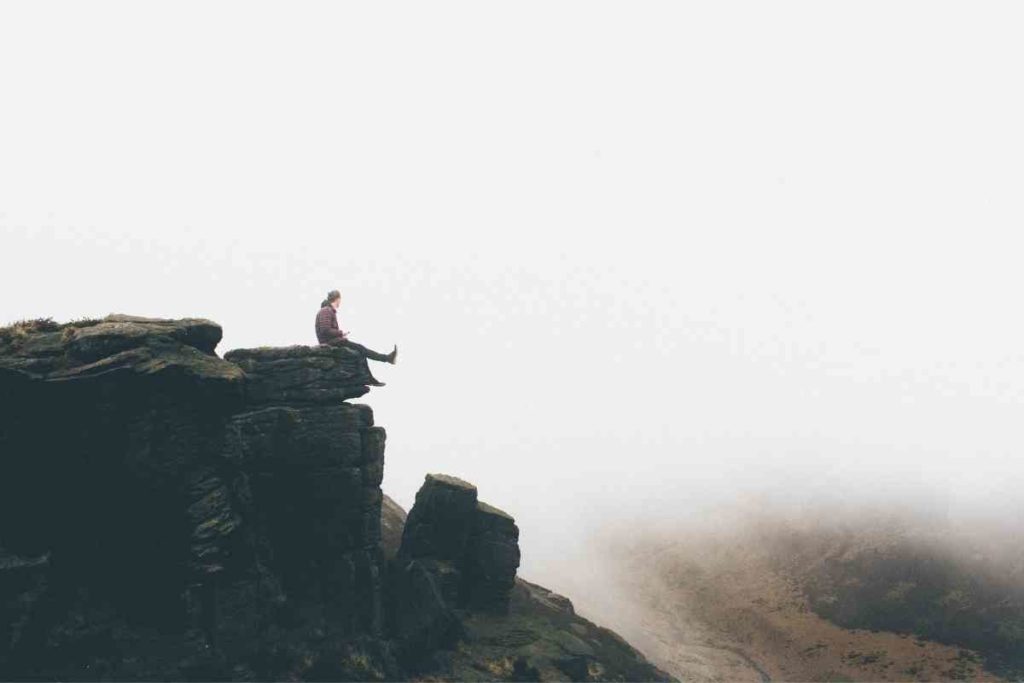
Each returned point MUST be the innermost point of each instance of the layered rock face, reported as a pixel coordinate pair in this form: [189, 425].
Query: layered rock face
[165, 513]
[110, 433]
[169, 514]
[313, 466]
[455, 552]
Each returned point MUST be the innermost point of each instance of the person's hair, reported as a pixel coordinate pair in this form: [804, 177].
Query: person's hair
[331, 296]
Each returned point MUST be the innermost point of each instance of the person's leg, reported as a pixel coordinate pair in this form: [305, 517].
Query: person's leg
[369, 353]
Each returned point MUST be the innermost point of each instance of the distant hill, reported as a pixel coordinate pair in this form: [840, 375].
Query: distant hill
[870, 599]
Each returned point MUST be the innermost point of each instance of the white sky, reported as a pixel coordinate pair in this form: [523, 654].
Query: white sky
[633, 254]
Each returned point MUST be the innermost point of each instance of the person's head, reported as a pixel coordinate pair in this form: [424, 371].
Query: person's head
[333, 299]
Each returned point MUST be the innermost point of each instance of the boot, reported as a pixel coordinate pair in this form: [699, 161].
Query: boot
[374, 382]
[393, 355]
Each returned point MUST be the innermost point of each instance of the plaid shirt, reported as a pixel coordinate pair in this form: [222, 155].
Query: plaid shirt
[327, 325]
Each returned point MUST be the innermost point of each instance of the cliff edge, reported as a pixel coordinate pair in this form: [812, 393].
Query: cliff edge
[166, 513]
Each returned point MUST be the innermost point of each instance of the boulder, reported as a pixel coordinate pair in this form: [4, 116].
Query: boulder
[456, 553]
[491, 560]
[441, 519]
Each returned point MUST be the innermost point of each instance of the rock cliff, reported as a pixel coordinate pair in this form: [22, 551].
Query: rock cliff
[166, 513]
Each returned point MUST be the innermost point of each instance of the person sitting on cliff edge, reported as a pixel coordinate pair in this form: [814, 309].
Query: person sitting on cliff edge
[328, 332]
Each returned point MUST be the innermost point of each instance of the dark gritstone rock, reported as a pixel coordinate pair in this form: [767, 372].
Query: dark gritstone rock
[118, 344]
[392, 522]
[477, 542]
[302, 374]
[456, 552]
[421, 594]
[440, 521]
[538, 637]
[492, 556]
[166, 514]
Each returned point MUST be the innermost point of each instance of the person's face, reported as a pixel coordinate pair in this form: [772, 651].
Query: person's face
[336, 303]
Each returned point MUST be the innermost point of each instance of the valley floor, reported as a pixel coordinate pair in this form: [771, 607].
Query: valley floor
[728, 615]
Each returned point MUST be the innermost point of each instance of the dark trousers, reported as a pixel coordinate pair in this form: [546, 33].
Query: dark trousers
[369, 353]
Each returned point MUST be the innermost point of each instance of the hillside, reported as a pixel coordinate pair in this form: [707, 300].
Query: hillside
[540, 638]
[867, 599]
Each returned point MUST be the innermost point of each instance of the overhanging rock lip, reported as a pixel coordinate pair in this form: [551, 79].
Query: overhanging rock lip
[301, 375]
[272, 353]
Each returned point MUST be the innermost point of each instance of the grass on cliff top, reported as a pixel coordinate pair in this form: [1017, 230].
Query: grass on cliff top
[22, 328]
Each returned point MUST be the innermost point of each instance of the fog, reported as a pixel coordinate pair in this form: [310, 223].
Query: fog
[640, 260]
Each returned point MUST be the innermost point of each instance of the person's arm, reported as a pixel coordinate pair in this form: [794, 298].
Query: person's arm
[328, 326]
[335, 331]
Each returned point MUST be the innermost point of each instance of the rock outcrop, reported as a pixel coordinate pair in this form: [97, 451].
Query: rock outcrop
[479, 543]
[169, 514]
[455, 552]
[165, 513]
[540, 638]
